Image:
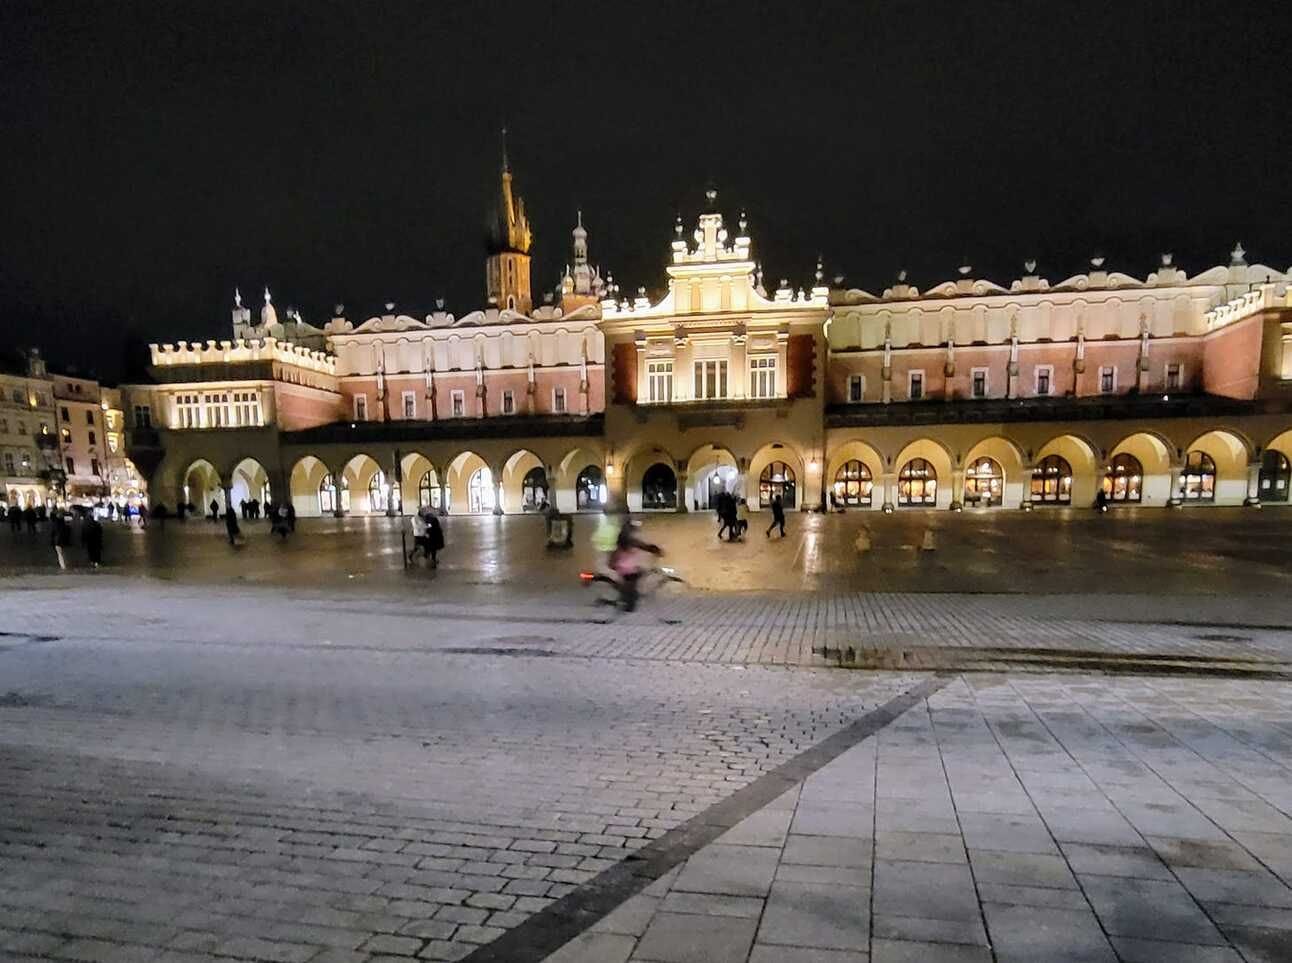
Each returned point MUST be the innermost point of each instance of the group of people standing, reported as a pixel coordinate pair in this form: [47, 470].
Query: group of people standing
[733, 516]
[61, 531]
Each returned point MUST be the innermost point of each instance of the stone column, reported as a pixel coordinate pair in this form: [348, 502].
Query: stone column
[337, 510]
[1025, 503]
[444, 493]
[228, 497]
[957, 489]
[1253, 499]
[888, 482]
[682, 506]
[497, 492]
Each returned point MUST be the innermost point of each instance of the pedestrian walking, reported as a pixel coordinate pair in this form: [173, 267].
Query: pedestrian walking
[742, 518]
[778, 516]
[29, 516]
[60, 536]
[278, 521]
[215, 510]
[418, 524]
[434, 538]
[15, 519]
[231, 527]
[290, 509]
[92, 539]
[720, 505]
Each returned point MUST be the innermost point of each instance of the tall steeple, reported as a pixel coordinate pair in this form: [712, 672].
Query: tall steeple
[507, 281]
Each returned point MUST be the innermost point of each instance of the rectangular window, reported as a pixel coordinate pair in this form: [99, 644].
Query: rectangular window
[22, 428]
[856, 389]
[246, 409]
[558, 400]
[1174, 376]
[710, 379]
[979, 376]
[8, 463]
[659, 379]
[1107, 380]
[360, 407]
[71, 466]
[67, 436]
[915, 385]
[66, 415]
[4, 426]
[508, 402]
[89, 417]
[410, 404]
[1044, 375]
[217, 411]
[143, 416]
[762, 377]
[459, 402]
[114, 442]
[94, 467]
[92, 438]
[188, 409]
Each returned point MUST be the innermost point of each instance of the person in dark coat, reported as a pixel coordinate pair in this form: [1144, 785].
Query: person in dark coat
[215, 510]
[29, 516]
[290, 509]
[731, 516]
[778, 517]
[434, 537]
[724, 514]
[231, 526]
[60, 536]
[92, 539]
[15, 519]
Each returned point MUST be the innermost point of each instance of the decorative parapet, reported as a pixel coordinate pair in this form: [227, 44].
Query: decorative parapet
[1244, 306]
[241, 352]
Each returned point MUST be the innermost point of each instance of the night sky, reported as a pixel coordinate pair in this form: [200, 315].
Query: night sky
[155, 155]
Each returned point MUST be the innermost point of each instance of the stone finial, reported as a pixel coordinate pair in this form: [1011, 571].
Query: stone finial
[1238, 257]
[820, 269]
[901, 276]
[237, 298]
[268, 297]
[711, 195]
[1167, 258]
[439, 304]
[1030, 265]
[390, 306]
[743, 223]
[677, 226]
[965, 268]
[338, 310]
[1097, 261]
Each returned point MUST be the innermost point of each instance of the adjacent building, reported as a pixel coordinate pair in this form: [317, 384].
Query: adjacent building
[1170, 389]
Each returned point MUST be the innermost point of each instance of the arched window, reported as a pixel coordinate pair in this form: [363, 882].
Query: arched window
[428, 490]
[1198, 480]
[380, 495]
[589, 489]
[1125, 479]
[1052, 481]
[917, 483]
[777, 479]
[480, 493]
[533, 490]
[853, 484]
[984, 483]
[1274, 477]
[328, 494]
[659, 487]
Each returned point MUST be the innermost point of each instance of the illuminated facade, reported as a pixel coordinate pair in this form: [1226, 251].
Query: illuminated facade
[1171, 389]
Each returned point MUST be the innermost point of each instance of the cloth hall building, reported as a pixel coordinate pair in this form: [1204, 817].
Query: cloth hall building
[1169, 389]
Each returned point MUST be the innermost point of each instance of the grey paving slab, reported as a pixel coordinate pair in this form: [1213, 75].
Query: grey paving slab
[1132, 950]
[1153, 909]
[814, 915]
[1021, 869]
[1021, 933]
[803, 954]
[925, 890]
[729, 870]
[679, 938]
[827, 851]
[903, 951]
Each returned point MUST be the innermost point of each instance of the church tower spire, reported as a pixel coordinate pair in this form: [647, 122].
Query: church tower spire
[581, 284]
[507, 282]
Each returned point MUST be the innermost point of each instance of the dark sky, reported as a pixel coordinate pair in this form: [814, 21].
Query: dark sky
[157, 154]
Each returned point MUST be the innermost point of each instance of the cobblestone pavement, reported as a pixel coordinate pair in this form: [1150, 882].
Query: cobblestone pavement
[196, 771]
[182, 787]
[1006, 819]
